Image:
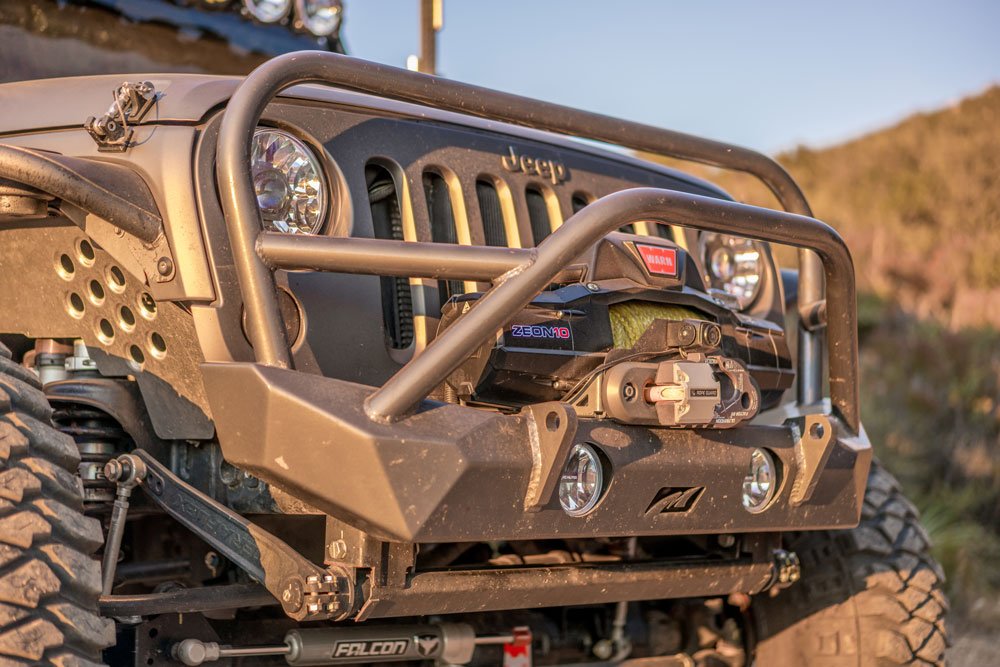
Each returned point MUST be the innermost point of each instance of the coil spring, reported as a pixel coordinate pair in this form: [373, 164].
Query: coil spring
[99, 438]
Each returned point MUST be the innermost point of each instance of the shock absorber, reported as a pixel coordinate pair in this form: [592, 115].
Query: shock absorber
[98, 435]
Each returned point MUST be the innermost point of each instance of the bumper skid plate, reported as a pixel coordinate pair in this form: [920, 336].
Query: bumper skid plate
[449, 473]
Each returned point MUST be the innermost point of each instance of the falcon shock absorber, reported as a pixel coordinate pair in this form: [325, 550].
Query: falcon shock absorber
[446, 643]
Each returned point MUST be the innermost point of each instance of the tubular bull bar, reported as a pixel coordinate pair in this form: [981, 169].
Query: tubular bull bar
[405, 469]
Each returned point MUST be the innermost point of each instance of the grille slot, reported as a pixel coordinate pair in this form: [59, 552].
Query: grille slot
[538, 214]
[580, 201]
[443, 230]
[662, 231]
[494, 231]
[397, 298]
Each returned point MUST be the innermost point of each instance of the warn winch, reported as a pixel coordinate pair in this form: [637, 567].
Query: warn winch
[632, 341]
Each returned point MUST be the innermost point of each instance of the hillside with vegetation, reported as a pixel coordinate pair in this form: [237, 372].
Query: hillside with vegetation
[919, 204]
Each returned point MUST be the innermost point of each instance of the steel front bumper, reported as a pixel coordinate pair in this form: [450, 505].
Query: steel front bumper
[451, 473]
[391, 463]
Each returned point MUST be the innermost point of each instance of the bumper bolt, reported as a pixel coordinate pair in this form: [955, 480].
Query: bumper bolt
[291, 596]
[629, 391]
[337, 549]
[164, 266]
[786, 568]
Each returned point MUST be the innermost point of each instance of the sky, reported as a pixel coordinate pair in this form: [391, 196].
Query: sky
[768, 75]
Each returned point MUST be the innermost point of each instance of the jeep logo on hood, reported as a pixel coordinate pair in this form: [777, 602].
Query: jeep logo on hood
[553, 170]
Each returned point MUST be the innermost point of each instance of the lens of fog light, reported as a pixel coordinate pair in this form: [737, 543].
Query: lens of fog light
[268, 11]
[759, 485]
[581, 481]
[320, 17]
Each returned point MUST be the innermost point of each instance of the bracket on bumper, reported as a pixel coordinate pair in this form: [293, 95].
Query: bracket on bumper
[814, 441]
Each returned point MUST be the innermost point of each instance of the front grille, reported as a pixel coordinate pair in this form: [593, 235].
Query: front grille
[459, 187]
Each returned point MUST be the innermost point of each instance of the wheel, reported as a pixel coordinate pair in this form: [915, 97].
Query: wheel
[868, 597]
[49, 581]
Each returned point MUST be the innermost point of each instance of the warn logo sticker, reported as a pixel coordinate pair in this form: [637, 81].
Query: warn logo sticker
[658, 260]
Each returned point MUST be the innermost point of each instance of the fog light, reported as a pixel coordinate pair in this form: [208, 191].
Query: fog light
[761, 482]
[320, 17]
[581, 481]
[268, 11]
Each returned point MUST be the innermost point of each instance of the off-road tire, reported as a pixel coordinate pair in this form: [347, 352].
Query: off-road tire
[49, 581]
[868, 597]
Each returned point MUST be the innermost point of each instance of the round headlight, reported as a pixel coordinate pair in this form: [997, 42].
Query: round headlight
[289, 183]
[268, 11]
[581, 481]
[320, 17]
[734, 265]
[760, 483]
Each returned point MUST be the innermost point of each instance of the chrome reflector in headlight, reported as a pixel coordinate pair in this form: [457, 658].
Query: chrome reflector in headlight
[761, 482]
[581, 481]
[268, 11]
[320, 17]
[289, 182]
[734, 265]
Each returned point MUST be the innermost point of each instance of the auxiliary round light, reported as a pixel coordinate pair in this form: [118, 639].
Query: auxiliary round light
[320, 17]
[761, 481]
[734, 265]
[581, 482]
[268, 11]
[288, 181]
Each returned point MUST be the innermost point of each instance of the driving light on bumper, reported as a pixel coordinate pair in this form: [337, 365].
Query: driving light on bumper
[734, 265]
[760, 483]
[581, 481]
[267, 11]
[320, 17]
[289, 183]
